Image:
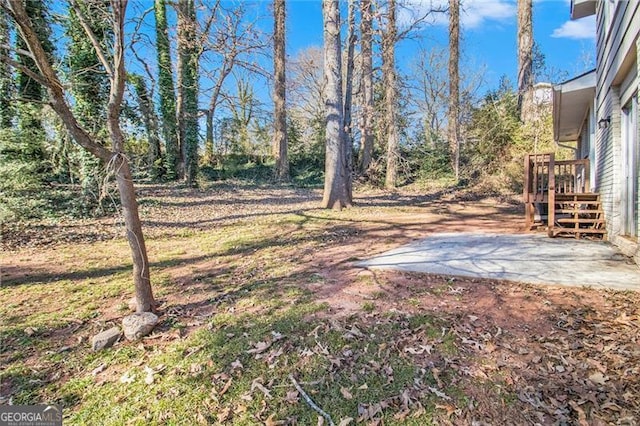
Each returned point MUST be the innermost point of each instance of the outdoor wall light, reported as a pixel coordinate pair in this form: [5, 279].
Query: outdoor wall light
[603, 123]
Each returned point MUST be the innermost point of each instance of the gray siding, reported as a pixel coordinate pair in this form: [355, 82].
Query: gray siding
[616, 76]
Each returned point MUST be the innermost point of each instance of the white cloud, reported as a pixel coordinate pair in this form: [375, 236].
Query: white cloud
[577, 30]
[473, 13]
[476, 12]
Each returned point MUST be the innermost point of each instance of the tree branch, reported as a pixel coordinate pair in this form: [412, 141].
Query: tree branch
[92, 37]
[50, 79]
[35, 76]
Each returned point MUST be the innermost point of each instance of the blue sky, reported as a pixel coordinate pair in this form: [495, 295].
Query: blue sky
[489, 29]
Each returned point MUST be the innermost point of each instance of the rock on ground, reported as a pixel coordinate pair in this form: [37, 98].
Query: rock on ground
[106, 339]
[137, 325]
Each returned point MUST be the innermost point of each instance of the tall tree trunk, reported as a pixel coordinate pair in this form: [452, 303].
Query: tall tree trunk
[348, 92]
[167, 93]
[336, 179]
[366, 48]
[280, 114]
[57, 98]
[209, 151]
[7, 110]
[154, 155]
[525, 58]
[188, 88]
[454, 83]
[391, 94]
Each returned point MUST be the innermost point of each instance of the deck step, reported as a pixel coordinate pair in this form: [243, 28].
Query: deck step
[578, 215]
[588, 221]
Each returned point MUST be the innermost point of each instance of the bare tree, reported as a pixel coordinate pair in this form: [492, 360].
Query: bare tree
[525, 58]
[337, 179]
[229, 40]
[280, 113]
[305, 82]
[454, 83]
[389, 39]
[115, 158]
[366, 52]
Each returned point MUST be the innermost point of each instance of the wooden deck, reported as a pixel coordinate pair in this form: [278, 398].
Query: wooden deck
[557, 195]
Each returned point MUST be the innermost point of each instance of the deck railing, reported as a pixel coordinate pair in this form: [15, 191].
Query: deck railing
[545, 177]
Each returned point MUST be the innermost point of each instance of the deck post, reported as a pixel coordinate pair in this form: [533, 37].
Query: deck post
[528, 210]
[552, 194]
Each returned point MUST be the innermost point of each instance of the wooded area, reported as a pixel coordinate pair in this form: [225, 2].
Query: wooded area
[350, 116]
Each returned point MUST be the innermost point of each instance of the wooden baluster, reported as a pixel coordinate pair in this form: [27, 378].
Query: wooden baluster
[552, 195]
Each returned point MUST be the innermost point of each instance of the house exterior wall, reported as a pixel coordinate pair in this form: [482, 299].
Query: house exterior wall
[618, 27]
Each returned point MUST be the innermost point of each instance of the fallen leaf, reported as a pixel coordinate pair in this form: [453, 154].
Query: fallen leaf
[363, 387]
[271, 422]
[345, 421]
[226, 387]
[259, 348]
[99, 369]
[439, 394]
[292, 397]
[257, 385]
[582, 417]
[598, 378]
[149, 379]
[236, 365]
[450, 409]
[346, 394]
[224, 414]
[127, 378]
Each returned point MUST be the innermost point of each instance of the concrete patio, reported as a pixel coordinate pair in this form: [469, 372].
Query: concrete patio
[527, 258]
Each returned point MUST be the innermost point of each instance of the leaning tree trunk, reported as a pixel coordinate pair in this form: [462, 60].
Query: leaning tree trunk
[366, 48]
[525, 59]
[454, 82]
[116, 158]
[280, 115]
[391, 95]
[336, 178]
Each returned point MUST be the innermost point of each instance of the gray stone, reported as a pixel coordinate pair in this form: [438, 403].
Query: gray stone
[132, 304]
[106, 339]
[137, 325]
